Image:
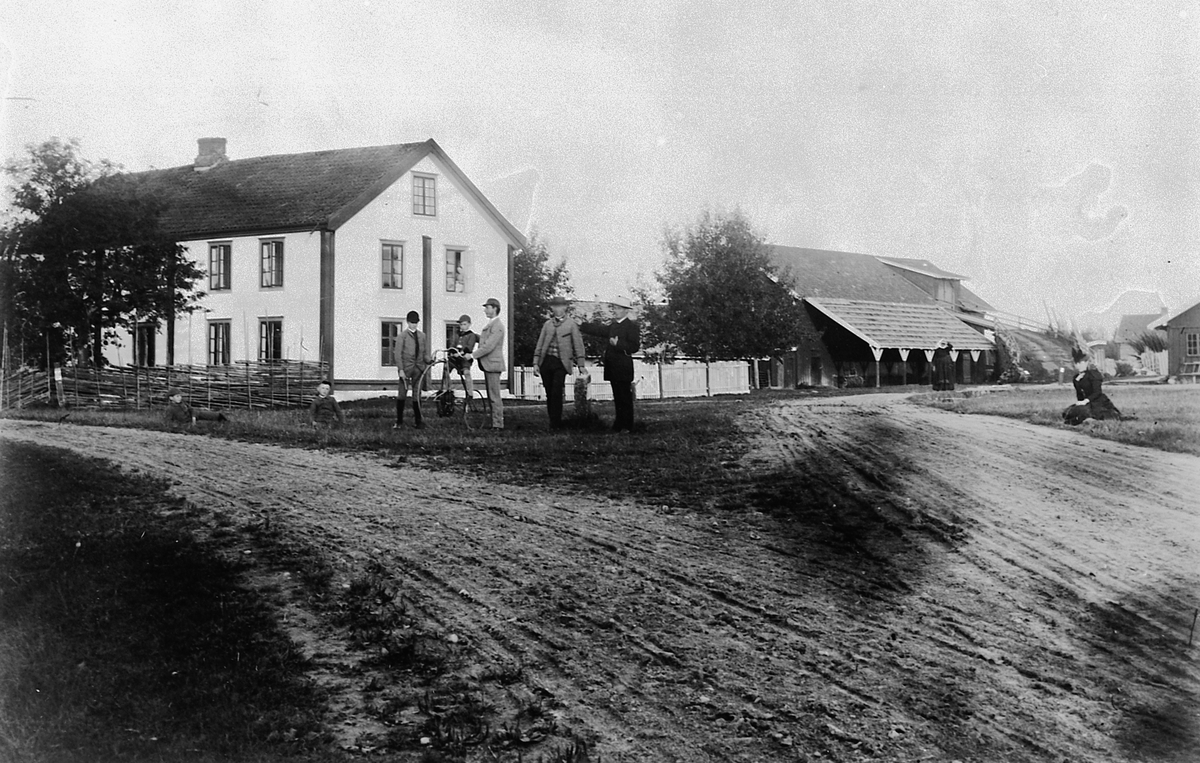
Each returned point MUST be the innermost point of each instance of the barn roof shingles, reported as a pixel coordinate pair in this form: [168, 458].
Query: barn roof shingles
[901, 326]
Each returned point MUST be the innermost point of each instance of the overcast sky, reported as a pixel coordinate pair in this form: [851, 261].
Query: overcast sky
[1046, 149]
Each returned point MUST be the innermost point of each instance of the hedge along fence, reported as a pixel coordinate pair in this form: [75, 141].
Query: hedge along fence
[278, 384]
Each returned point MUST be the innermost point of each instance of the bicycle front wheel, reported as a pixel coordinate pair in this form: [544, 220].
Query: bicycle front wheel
[477, 411]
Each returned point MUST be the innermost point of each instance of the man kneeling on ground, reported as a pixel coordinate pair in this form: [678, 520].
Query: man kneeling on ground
[180, 413]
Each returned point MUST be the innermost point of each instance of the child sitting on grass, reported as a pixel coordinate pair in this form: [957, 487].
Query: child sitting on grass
[325, 411]
[180, 414]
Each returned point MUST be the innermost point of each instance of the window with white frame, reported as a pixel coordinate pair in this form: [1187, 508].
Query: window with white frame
[270, 339]
[456, 278]
[271, 270]
[218, 343]
[1192, 340]
[392, 257]
[424, 195]
[220, 258]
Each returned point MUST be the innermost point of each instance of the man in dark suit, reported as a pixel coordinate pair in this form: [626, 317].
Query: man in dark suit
[624, 339]
[411, 351]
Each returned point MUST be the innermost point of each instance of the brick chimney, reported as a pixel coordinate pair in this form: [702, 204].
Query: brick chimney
[212, 153]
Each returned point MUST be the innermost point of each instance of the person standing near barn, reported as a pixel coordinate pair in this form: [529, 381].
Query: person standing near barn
[411, 351]
[943, 367]
[559, 349]
[624, 339]
[490, 354]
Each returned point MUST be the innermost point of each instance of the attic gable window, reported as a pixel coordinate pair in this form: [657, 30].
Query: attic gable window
[424, 195]
[271, 272]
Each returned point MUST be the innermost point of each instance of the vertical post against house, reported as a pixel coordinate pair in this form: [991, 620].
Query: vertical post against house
[661, 395]
[427, 287]
[509, 296]
[325, 320]
[707, 379]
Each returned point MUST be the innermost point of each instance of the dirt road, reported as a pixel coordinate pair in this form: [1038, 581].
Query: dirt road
[899, 583]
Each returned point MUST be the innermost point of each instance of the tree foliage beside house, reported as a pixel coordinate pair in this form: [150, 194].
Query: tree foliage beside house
[719, 296]
[535, 282]
[82, 256]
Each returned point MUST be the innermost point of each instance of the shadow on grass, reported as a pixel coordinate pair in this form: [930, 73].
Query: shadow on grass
[124, 638]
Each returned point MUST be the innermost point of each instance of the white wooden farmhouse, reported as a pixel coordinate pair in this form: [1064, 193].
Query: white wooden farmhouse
[319, 256]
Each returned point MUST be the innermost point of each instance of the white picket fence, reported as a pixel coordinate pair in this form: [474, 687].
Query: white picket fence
[683, 378]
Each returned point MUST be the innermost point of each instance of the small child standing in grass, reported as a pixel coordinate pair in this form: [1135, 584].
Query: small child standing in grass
[325, 411]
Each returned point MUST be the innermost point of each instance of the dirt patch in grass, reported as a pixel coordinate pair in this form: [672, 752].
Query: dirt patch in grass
[123, 637]
[1165, 417]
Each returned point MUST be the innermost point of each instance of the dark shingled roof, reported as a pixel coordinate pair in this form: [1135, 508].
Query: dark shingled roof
[969, 300]
[824, 274]
[294, 191]
[1133, 326]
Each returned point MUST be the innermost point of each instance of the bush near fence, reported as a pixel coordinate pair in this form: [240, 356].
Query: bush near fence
[278, 384]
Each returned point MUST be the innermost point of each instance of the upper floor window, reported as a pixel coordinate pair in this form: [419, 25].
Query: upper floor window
[1193, 342]
[220, 258]
[456, 279]
[218, 343]
[393, 265]
[270, 339]
[271, 271]
[424, 195]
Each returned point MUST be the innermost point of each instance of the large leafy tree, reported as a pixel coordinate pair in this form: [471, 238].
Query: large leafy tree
[718, 296]
[83, 256]
[536, 280]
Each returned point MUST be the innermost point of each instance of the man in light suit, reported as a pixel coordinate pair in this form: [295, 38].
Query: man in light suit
[490, 354]
[411, 351]
[624, 339]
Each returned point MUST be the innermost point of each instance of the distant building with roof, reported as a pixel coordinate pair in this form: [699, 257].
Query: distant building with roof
[878, 319]
[321, 255]
[1183, 342]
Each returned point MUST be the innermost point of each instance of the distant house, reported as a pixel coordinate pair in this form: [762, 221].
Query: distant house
[321, 255]
[1183, 342]
[876, 322]
[1129, 329]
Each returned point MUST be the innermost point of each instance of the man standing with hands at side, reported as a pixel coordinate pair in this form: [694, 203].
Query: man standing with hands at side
[490, 354]
[411, 351]
[559, 348]
[624, 339]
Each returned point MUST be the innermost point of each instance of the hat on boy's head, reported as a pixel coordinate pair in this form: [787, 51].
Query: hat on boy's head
[492, 302]
[173, 391]
[621, 302]
[464, 318]
[558, 301]
[323, 381]
[413, 317]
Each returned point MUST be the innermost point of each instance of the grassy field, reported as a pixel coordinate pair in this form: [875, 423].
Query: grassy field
[650, 465]
[122, 637]
[1167, 417]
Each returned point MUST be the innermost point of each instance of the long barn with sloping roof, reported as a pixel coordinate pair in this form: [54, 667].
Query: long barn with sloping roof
[871, 324]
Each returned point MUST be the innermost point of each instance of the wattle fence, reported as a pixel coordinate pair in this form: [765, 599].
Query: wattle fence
[654, 381]
[279, 384]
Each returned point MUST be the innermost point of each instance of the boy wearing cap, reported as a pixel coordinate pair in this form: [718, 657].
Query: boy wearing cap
[490, 354]
[411, 351]
[624, 339]
[180, 414]
[466, 342]
[559, 348]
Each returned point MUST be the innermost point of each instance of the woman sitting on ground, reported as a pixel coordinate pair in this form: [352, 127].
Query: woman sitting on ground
[1090, 401]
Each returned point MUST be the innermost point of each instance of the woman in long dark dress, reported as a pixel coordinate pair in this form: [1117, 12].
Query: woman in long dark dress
[1090, 400]
[943, 367]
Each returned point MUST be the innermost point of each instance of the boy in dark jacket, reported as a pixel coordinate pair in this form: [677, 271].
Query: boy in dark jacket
[181, 414]
[325, 411]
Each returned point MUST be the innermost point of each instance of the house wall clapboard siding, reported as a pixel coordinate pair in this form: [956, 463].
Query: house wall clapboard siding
[362, 304]
[1179, 328]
